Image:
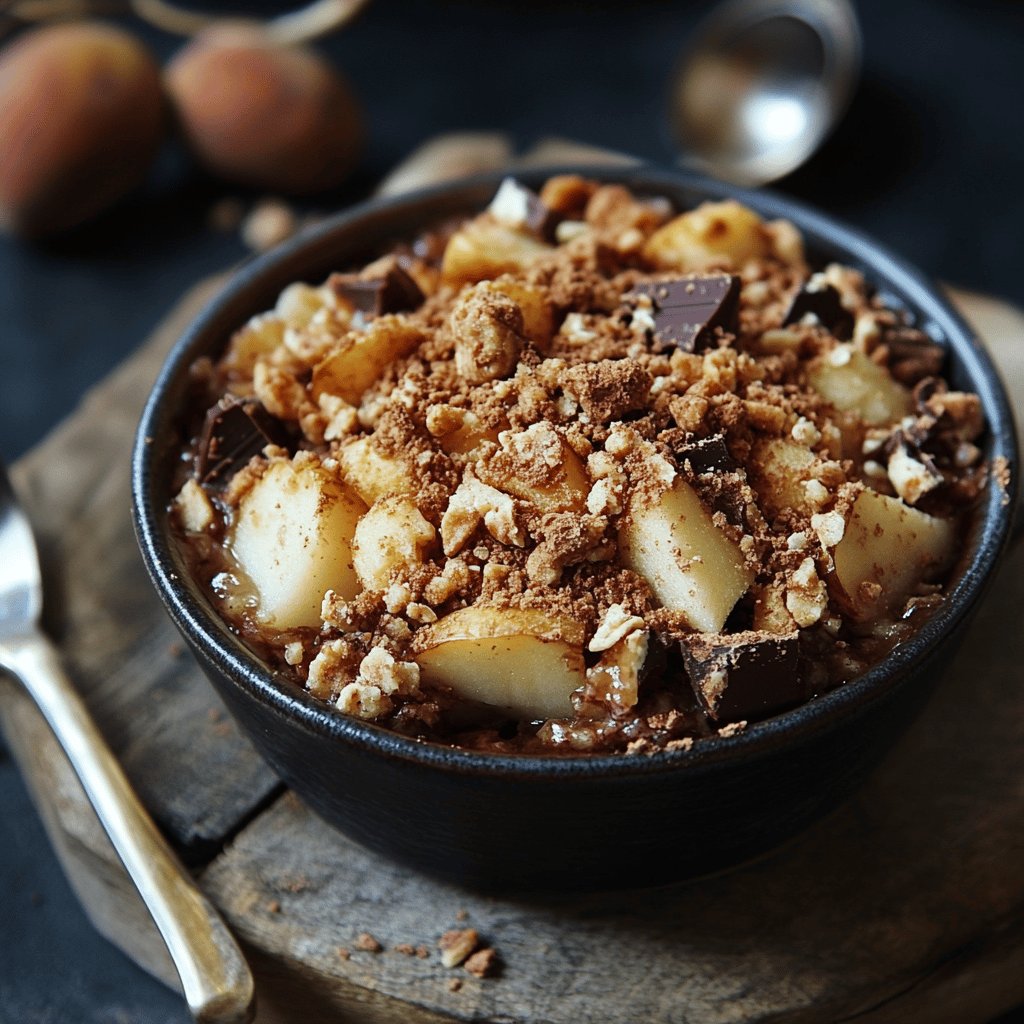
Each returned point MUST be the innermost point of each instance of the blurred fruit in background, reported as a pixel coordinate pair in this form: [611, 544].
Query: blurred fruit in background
[81, 119]
[83, 110]
[262, 114]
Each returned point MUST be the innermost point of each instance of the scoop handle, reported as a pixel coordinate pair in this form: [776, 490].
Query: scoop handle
[215, 977]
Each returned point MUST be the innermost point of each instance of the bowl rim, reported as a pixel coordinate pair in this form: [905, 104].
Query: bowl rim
[225, 653]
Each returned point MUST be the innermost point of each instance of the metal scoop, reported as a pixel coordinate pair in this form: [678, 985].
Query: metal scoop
[762, 83]
[214, 975]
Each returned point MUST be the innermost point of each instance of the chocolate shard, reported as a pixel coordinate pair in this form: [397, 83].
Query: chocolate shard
[822, 301]
[686, 310]
[392, 291]
[233, 432]
[913, 356]
[744, 676]
[520, 208]
[708, 455]
[925, 389]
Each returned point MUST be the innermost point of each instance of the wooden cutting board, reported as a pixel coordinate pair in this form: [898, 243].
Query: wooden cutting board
[907, 903]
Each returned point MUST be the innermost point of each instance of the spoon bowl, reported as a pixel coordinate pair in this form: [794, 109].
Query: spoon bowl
[762, 84]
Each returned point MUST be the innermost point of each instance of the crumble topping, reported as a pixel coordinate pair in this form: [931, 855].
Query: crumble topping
[579, 473]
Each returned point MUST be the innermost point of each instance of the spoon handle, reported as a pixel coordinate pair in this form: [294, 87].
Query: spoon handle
[214, 974]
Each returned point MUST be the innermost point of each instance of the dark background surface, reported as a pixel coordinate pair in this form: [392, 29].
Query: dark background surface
[930, 159]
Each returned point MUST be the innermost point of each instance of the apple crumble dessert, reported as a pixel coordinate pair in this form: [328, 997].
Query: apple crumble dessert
[580, 473]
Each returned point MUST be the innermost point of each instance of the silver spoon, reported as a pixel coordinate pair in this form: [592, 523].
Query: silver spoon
[762, 83]
[214, 975]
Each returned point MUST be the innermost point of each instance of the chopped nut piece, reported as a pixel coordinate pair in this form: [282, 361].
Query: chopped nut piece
[194, 508]
[911, 478]
[456, 945]
[367, 943]
[488, 330]
[806, 596]
[482, 963]
[475, 501]
[616, 624]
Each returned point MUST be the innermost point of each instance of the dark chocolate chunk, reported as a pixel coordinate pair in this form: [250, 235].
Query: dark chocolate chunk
[913, 356]
[233, 432]
[521, 208]
[927, 388]
[392, 292]
[708, 455]
[823, 302]
[688, 309]
[744, 676]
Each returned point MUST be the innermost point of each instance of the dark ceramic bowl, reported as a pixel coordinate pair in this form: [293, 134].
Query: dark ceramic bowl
[583, 822]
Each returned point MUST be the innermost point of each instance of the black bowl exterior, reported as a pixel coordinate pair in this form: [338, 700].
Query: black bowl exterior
[582, 822]
[582, 831]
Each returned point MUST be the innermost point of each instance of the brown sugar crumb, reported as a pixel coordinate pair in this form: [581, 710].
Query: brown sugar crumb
[422, 953]
[610, 389]
[343, 953]
[455, 984]
[405, 949]
[457, 944]
[367, 943]
[482, 963]
[274, 906]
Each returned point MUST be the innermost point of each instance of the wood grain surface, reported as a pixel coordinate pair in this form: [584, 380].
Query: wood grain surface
[907, 903]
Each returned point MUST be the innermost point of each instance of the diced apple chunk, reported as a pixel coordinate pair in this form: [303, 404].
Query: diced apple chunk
[779, 471]
[537, 309]
[467, 439]
[484, 248]
[392, 535]
[373, 474]
[526, 661]
[300, 302]
[292, 539]
[708, 235]
[886, 550]
[362, 358]
[853, 383]
[690, 564]
[258, 338]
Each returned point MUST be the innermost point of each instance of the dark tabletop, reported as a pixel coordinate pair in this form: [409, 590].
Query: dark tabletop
[930, 159]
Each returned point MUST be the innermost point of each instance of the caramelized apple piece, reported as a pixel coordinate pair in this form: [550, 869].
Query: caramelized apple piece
[779, 470]
[373, 474]
[392, 535]
[362, 358]
[524, 660]
[292, 538]
[484, 248]
[710, 235]
[886, 550]
[853, 383]
[537, 309]
[690, 564]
